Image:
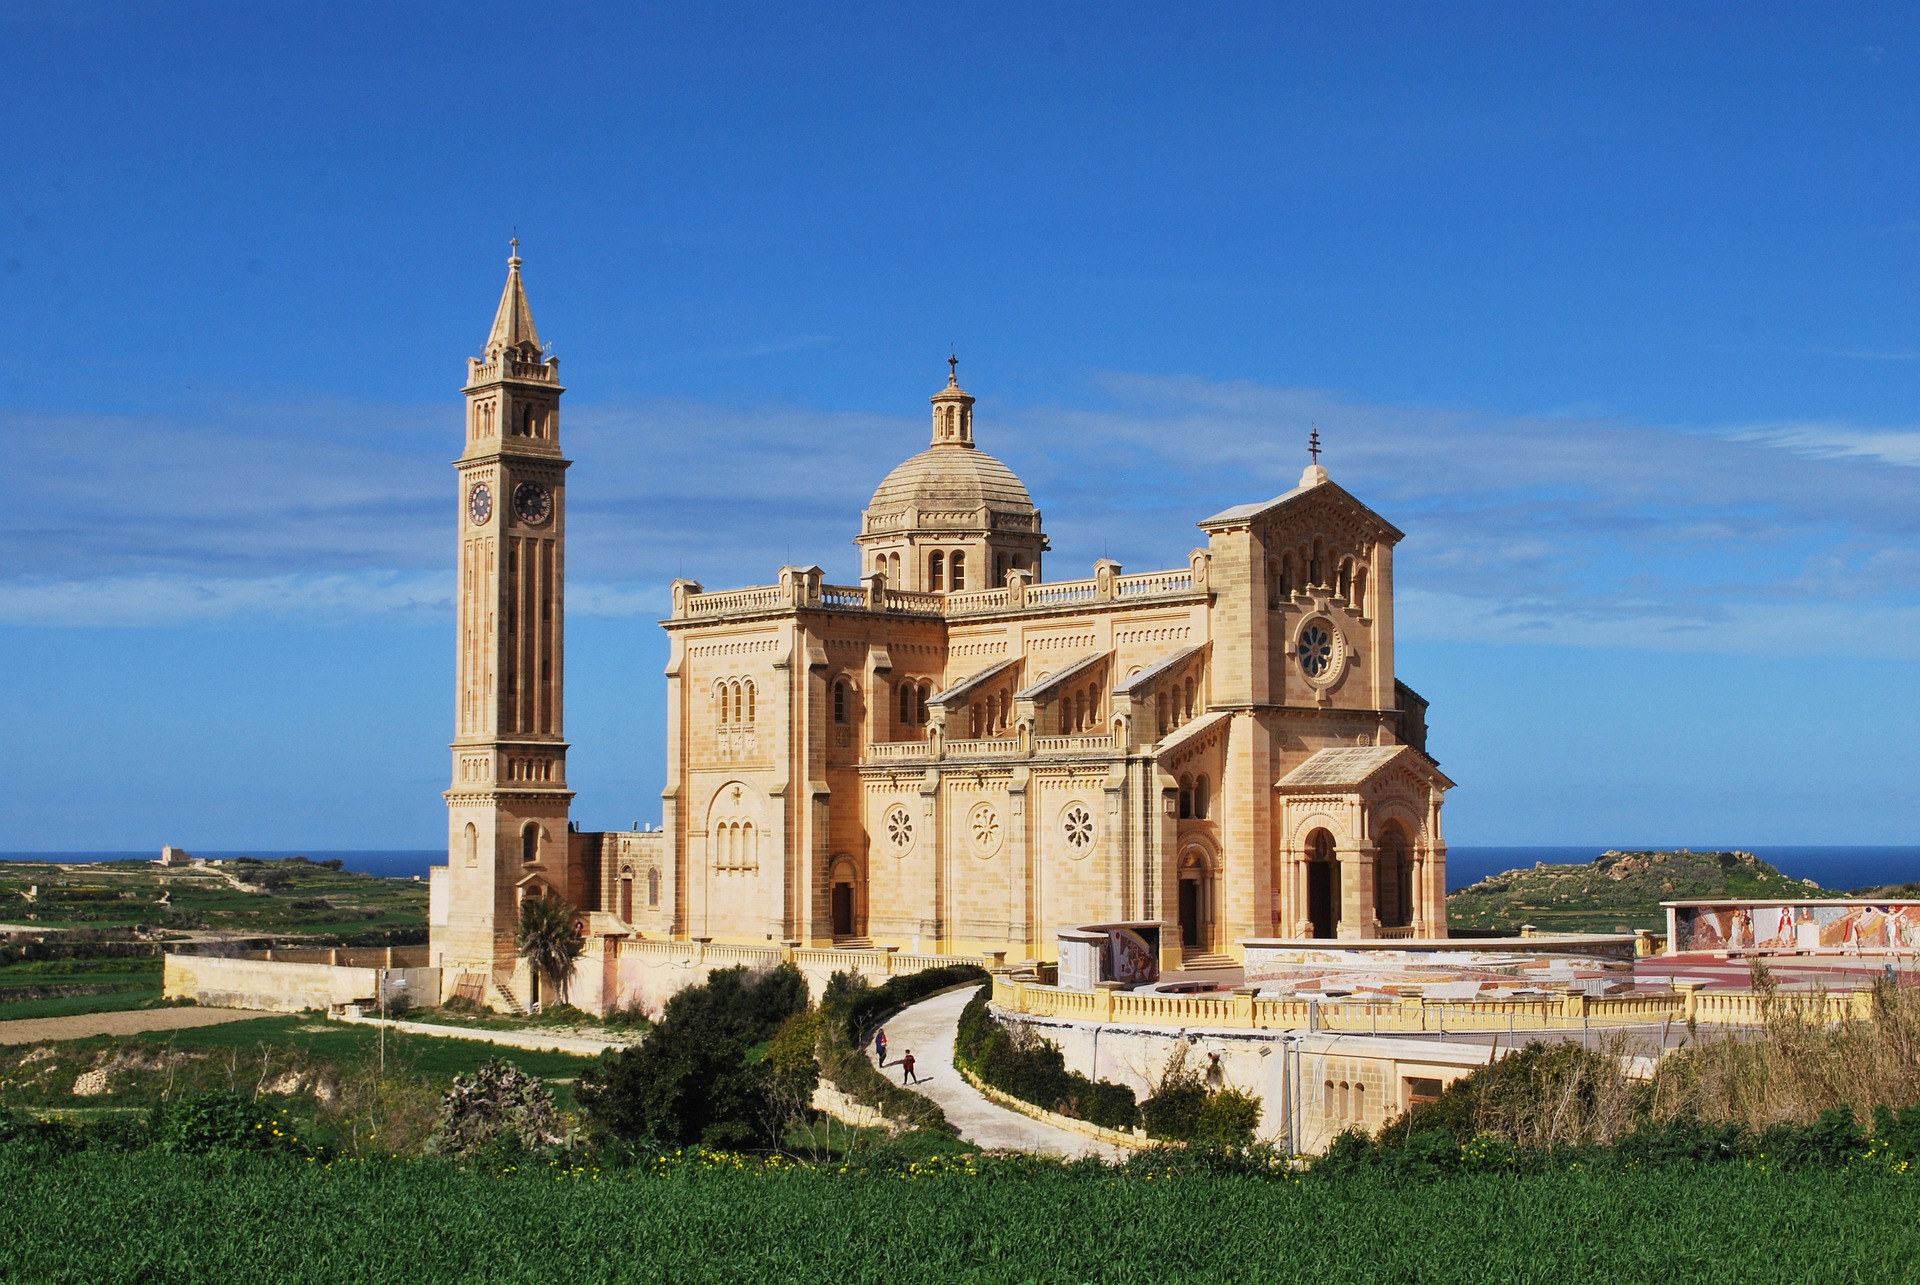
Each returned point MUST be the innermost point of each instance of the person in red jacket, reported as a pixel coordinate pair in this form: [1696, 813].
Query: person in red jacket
[906, 1068]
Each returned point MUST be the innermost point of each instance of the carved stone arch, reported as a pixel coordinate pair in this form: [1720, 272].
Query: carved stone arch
[1307, 823]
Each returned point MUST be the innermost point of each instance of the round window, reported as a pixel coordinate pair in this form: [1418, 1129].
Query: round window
[1317, 650]
[1076, 827]
[900, 830]
[984, 824]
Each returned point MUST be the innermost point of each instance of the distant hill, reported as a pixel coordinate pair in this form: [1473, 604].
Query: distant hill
[1617, 891]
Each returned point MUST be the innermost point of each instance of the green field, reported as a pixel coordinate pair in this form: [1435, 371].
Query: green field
[142, 1069]
[144, 1216]
[287, 896]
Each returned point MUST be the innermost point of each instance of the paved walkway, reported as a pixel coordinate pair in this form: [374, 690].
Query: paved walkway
[35, 1030]
[928, 1029]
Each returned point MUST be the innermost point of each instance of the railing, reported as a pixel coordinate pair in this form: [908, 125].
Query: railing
[1403, 933]
[913, 602]
[1060, 592]
[992, 747]
[1153, 583]
[839, 595]
[897, 751]
[713, 604]
[973, 600]
[1571, 1010]
[1073, 744]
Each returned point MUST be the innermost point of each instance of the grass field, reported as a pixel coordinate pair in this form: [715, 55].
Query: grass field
[104, 1217]
[286, 897]
[242, 1055]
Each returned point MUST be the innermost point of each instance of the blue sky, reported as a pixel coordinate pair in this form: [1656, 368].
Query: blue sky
[1611, 308]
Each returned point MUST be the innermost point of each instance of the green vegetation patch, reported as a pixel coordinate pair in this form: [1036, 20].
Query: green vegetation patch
[105, 1216]
[1617, 891]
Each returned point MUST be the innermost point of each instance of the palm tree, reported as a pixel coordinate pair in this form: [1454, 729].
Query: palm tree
[549, 940]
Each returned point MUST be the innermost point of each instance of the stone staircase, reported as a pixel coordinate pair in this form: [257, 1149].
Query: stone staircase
[853, 943]
[505, 992]
[1203, 959]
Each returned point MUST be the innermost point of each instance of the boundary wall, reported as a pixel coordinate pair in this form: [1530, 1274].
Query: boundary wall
[1244, 1009]
[292, 986]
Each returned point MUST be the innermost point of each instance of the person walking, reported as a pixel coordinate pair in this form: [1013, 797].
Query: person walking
[880, 1045]
[906, 1068]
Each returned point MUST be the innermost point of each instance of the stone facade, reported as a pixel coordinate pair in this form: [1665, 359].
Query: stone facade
[954, 755]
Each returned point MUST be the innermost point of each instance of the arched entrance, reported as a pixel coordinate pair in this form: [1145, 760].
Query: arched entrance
[1323, 884]
[843, 900]
[1393, 877]
[626, 896]
[1196, 907]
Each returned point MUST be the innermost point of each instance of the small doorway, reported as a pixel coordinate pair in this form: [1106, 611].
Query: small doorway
[1190, 913]
[843, 910]
[1323, 885]
[626, 897]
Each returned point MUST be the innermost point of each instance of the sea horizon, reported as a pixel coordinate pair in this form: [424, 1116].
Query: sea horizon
[1836, 866]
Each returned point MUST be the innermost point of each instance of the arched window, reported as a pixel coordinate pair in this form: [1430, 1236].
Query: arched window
[1066, 715]
[1202, 797]
[473, 845]
[626, 896]
[720, 695]
[1360, 589]
[936, 571]
[1359, 1104]
[1332, 1104]
[840, 700]
[920, 703]
[749, 700]
[749, 847]
[893, 569]
[1160, 710]
[1346, 579]
[999, 570]
[530, 844]
[1191, 707]
[1186, 797]
[1286, 576]
[907, 692]
[739, 705]
[958, 565]
[653, 887]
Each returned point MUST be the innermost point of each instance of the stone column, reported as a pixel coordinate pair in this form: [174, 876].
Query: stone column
[1358, 920]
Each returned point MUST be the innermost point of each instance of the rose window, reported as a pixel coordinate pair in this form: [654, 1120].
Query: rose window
[984, 822]
[900, 829]
[1316, 651]
[1076, 823]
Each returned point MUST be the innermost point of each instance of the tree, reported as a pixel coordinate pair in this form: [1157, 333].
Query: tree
[704, 1074]
[549, 941]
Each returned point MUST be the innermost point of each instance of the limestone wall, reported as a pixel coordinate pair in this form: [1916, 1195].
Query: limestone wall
[1338, 1081]
[281, 986]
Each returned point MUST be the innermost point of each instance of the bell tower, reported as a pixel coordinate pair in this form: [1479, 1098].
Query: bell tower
[507, 806]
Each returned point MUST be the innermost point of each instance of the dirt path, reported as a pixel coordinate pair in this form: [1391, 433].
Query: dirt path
[34, 1030]
[928, 1029]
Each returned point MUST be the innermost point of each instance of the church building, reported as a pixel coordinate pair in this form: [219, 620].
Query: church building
[949, 753]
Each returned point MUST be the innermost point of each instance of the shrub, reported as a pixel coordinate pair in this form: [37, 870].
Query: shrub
[1228, 1118]
[204, 1122]
[499, 1108]
[1019, 1062]
[693, 1079]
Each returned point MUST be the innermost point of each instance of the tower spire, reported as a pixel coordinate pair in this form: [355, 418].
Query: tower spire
[953, 410]
[513, 322]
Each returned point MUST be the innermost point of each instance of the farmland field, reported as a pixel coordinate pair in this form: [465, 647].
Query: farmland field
[102, 1216]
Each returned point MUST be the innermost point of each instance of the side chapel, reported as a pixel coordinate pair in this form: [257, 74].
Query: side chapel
[955, 754]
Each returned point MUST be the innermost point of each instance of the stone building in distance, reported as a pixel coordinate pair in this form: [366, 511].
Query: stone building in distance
[952, 754]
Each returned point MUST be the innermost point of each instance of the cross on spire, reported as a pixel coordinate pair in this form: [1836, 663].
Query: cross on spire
[953, 369]
[1313, 444]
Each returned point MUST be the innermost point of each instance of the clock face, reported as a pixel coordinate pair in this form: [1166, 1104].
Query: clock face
[480, 504]
[533, 503]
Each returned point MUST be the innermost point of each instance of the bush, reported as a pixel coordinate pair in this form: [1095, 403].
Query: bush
[697, 1077]
[1020, 1063]
[204, 1122]
[499, 1109]
[1227, 1118]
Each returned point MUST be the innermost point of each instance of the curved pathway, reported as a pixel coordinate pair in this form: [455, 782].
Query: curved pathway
[928, 1029]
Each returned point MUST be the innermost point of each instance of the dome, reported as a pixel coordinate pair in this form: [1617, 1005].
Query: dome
[951, 478]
